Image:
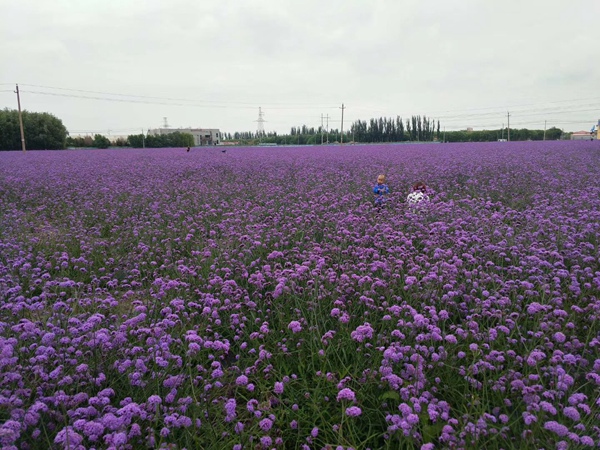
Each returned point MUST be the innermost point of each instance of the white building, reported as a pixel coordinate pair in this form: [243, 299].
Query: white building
[202, 136]
[582, 136]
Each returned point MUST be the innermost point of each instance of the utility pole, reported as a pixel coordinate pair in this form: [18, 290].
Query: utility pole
[327, 127]
[545, 129]
[321, 128]
[20, 120]
[508, 131]
[342, 133]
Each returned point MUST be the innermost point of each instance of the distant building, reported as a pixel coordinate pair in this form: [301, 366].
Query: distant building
[469, 129]
[202, 136]
[582, 136]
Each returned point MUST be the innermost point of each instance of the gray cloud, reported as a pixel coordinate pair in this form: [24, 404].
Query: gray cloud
[300, 59]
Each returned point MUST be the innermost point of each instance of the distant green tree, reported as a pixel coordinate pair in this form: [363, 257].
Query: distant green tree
[120, 142]
[175, 139]
[100, 141]
[43, 131]
[400, 128]
[136, 140]
[77, 141]
[178, 139]
[553, 134]
[516, 134]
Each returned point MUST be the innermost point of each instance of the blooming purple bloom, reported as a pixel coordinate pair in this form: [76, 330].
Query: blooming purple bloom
[266, 424]
[548, 407]
[559, 337]
[362, 332]
[572, 413]
[353, 411]
[586, 440]
[230, 406]
[154, 400]
[346, 394]
[451, 339]
[295, 326]
[68, 438]
[556, 427]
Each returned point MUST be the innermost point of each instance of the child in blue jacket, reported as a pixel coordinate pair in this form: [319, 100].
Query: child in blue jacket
[380, 190]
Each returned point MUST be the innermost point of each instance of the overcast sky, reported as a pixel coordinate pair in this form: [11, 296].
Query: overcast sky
[124, 65]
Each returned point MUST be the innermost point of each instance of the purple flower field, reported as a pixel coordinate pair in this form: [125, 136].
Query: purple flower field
[256, 299]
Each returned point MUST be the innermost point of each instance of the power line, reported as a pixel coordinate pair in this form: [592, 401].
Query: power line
[88, 97]
[525, 104]
[164, 98]
[489, 116]
[512, 107]
[56, 94]
[530, 112]
[501, 108]
[493, 116]
[105, 129]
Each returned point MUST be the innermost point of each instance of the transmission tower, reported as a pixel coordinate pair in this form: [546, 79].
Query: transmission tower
[165, 123]
[260, 130]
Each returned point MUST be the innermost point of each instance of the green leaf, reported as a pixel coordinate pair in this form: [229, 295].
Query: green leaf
[390, 395]
[431, 431]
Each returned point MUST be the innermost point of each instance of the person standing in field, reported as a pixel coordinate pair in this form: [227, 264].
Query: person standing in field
[380, 190]
[418, 194]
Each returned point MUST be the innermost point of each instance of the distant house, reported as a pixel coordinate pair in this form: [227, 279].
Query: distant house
[582, 136]
[202, 136]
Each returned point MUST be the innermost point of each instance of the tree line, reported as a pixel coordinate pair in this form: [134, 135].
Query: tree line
[388, 129]
[45, 131]
[175, 139]
[383, 129]
[523, 134]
